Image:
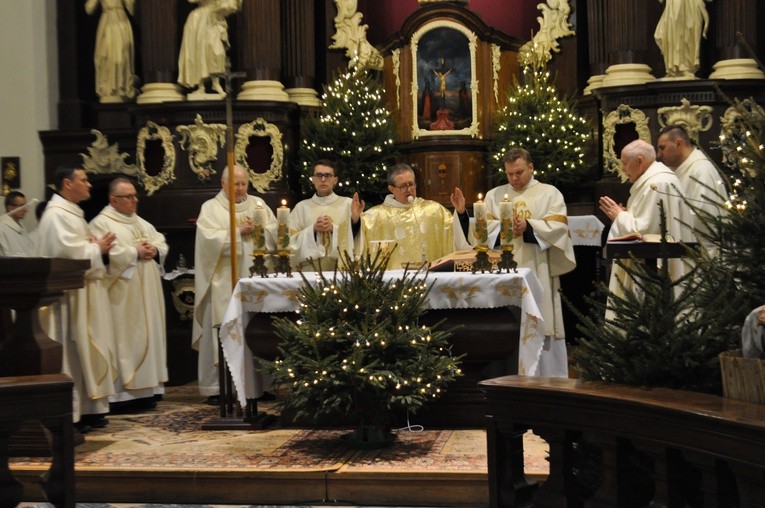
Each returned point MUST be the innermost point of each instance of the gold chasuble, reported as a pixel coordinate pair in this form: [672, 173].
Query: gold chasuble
[422, 231]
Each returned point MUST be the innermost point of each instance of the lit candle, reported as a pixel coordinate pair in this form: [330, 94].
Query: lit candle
[481, 232]
[258, 231]
[505, 222]
[283, 232]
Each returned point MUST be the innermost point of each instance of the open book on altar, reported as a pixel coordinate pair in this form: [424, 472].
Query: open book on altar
[462, 261]
[637, 237]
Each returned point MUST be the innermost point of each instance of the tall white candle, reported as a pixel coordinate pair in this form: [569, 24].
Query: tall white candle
[258, 230]
[283, 232]
[505, 222]
[481, 232]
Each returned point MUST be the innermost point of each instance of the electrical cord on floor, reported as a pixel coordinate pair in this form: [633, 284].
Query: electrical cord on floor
[409, 426]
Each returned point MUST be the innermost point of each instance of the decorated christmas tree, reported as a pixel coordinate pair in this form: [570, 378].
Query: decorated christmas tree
[739, 235]
[356, 353]
[355, 130]
[665, 332]
[537, 119]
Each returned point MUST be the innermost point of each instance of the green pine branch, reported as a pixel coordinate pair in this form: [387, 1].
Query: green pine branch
[356, 353]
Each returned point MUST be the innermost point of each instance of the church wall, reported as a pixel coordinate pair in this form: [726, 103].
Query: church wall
[28, 86]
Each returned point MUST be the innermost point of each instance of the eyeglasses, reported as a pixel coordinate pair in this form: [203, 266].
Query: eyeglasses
[405, 186]
[323, 176]
[127, 196]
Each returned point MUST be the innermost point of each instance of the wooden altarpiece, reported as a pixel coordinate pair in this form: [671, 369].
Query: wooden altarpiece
[446, 76]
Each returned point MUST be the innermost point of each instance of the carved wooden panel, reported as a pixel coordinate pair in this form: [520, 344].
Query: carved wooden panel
[438, 173]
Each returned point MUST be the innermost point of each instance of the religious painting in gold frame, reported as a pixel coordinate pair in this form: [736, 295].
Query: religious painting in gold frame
[444, 87]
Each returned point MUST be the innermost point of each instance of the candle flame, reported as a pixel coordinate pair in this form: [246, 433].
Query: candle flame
[480, 196]
[284, 202]
[505, 197]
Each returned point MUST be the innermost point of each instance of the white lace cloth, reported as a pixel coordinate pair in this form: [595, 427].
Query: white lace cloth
[460, 290]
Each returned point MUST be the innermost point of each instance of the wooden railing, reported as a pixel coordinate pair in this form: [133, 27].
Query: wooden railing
[613, 445]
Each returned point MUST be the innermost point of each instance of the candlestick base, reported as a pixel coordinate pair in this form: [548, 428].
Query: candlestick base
[258, 266]
[506, 261]
[481, 262]
[282, 264]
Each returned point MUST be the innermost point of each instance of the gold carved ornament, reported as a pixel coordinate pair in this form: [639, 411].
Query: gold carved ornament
[183, 297]
[695, 119]
[202, 140]
[105, 159]
[260, 128]
[623, 114]
[166, 175]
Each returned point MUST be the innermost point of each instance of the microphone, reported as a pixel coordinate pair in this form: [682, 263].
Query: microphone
[410, 199]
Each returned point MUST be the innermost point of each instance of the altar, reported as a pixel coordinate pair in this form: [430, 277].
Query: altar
[450, 290]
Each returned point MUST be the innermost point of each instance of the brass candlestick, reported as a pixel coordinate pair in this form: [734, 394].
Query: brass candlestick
[258, 265]
[482, 262]
[506, 261]
[282, 264]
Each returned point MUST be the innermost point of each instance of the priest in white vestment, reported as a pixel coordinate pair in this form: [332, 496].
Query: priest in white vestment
[14, 238]
[323, 226]
[133, 279]
[652, 182]
[702, 184]
[541, 242]
[85, 314]
[422, 230]
[212, 267]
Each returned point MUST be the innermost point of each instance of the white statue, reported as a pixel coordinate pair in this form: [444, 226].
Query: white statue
[352, 35]
[678, 35]
[113, 56]
[205, 43]
[553, 25]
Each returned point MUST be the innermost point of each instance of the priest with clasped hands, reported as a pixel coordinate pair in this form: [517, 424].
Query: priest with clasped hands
[323, 226]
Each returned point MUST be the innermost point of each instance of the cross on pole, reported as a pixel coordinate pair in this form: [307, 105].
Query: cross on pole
[227, 76]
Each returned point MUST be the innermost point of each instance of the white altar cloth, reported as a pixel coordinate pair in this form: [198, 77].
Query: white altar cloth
[450, 290]
[585, 230]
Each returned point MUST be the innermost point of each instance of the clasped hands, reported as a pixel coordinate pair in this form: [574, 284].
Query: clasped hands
[146, 251]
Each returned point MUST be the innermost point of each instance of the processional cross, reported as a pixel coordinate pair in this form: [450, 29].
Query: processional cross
[227, 76]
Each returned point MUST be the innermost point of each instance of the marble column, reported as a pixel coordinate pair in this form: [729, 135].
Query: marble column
[299, 55]
[626, 43]
[159, 51]
[596, 41]
[260, 50]
[729, 18]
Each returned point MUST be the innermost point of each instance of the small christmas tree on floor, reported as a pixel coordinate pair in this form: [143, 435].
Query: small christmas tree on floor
[356, 353]
[355, 130]
[537, 119]
[666, 332]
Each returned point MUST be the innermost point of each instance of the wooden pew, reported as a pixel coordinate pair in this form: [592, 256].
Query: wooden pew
[45, 398]
[701, 449]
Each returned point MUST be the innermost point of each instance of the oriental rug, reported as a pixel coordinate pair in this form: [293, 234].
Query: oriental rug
[169, 440]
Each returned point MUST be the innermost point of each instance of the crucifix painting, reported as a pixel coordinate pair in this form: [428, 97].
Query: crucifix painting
[444, 76]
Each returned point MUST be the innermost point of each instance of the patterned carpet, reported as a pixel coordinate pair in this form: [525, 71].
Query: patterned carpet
[170, 440]
[170, 437]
